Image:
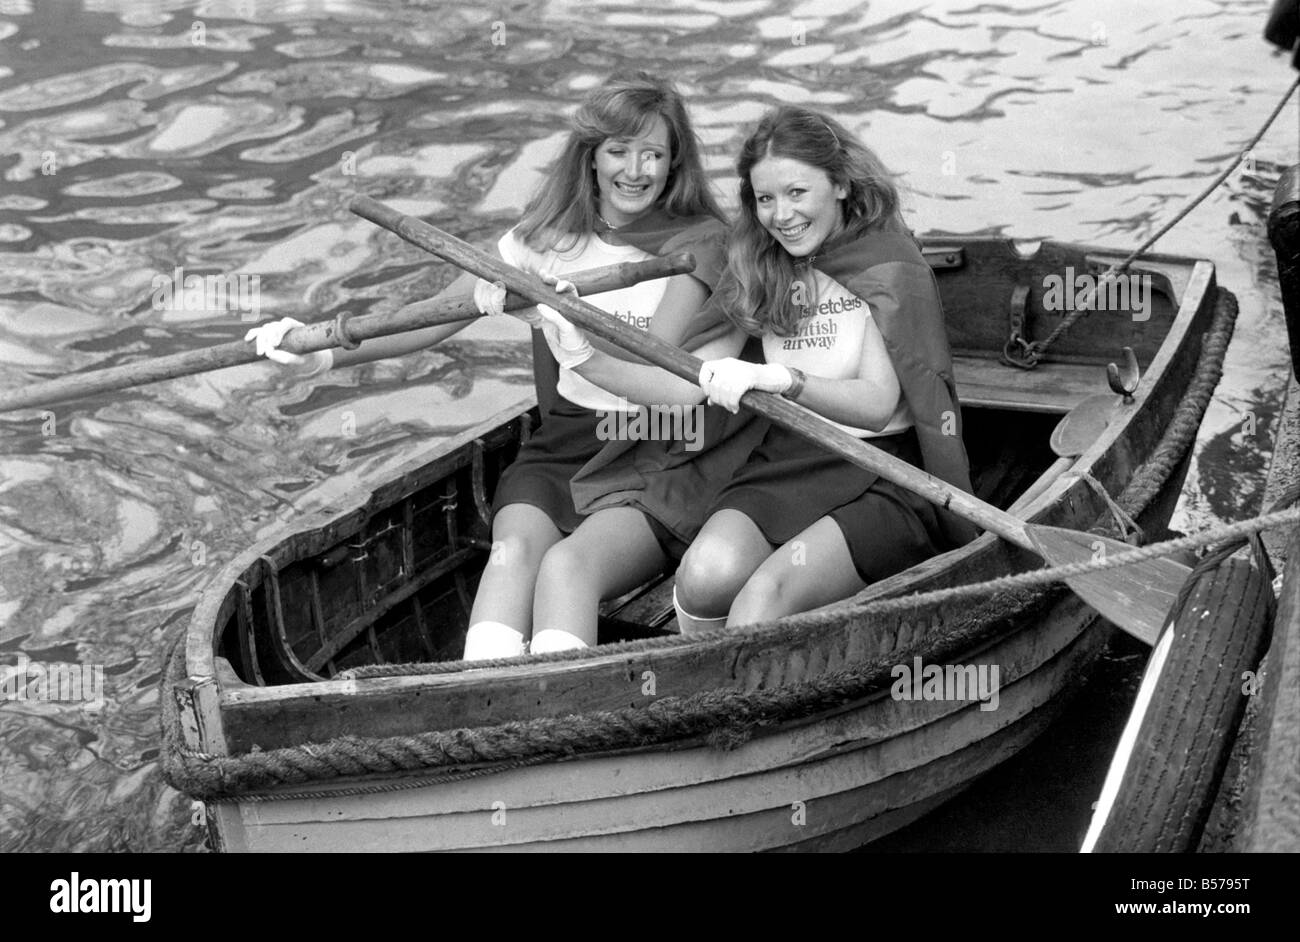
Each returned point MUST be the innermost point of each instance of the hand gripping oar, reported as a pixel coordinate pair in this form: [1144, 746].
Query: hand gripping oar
[340, 332]
[1137, 598]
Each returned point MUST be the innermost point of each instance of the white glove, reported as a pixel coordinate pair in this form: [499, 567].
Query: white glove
[567, 342]
[490, 297]
[725, 381]
[267, 339]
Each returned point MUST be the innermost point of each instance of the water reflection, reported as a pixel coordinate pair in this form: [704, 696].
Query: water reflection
[131, 149]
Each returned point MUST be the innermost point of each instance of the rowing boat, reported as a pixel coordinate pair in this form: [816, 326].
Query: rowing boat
[314, 702]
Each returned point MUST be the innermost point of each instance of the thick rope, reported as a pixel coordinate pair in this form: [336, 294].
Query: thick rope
[401, 785]
[1129, 529]
[1023, 580]
[1035, 350]
[722, 717]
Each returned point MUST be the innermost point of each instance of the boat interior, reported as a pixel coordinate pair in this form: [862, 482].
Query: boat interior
[392, 580]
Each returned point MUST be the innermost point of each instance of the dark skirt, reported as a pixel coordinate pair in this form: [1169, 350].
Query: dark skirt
[564, 441]
[789, 484]
[672, 482]
[674, 485]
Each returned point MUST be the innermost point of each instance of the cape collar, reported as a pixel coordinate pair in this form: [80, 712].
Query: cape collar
[851, 253]
[649, 231]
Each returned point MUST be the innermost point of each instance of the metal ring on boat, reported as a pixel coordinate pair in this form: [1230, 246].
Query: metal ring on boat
[341, 331]
[1019, 352]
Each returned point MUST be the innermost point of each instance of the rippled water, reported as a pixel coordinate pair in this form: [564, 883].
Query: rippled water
[227, 137]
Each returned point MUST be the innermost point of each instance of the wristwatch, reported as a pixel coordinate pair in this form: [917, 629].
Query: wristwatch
[797, 379]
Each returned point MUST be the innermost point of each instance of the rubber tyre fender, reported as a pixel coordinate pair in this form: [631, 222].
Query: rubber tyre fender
[1175, 747]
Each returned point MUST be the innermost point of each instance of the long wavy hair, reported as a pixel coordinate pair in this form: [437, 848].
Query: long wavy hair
[564, 208]
[761, 295]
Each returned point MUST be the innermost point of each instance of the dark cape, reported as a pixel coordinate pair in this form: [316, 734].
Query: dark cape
[658, 233]
[888, 271]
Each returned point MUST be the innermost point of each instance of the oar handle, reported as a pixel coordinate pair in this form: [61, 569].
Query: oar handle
[779, 410]
[324, 336]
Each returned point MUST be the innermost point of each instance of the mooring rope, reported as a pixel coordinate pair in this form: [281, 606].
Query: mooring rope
[1035, 349]
[1037, 577]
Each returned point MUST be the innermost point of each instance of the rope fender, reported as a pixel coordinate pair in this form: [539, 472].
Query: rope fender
[722, 717]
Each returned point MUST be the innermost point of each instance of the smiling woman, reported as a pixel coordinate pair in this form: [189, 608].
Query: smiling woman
[797, 203]
[627, 185]
[631, 173]
[823, 270]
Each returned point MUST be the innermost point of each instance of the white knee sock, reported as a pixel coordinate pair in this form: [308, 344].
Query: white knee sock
[689, 624]
[553, 639]
[491, 639]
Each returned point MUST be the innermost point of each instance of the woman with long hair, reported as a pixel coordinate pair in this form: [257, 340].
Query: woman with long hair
[826, 273]
[627, 185]
[823, 272]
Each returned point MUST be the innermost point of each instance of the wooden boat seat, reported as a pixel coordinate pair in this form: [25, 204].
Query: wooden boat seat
[1054, 388]
[648, 606]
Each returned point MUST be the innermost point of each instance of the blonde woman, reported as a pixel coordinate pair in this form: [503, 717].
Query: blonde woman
[627, 185]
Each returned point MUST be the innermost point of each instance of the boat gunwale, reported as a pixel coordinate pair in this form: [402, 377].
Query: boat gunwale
[1043, 660]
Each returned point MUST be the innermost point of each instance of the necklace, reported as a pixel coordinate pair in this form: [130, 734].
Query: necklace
[606, 222]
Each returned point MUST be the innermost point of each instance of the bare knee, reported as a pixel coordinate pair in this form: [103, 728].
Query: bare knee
[562, 565]
[710, 575]
[767, 594]
[520, 546]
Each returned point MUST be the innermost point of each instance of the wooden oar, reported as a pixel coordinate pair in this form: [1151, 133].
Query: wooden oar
[322, 336]
[1137, 598]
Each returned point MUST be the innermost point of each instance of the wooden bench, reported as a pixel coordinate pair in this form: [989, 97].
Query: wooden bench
[1054, 388]
[649, 606]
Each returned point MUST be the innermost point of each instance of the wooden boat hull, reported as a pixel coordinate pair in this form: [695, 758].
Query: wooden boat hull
[833, 784]
[615, 749]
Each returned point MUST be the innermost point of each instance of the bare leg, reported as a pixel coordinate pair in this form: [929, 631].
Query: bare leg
[612, 552]
[501, 619]
[728, 549]
[815, 568]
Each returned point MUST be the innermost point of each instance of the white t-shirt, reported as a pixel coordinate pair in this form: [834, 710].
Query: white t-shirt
[829, 344]
[634, 305]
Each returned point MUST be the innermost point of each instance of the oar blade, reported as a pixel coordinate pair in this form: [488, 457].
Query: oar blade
[1137, 598]
[1083, 425]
